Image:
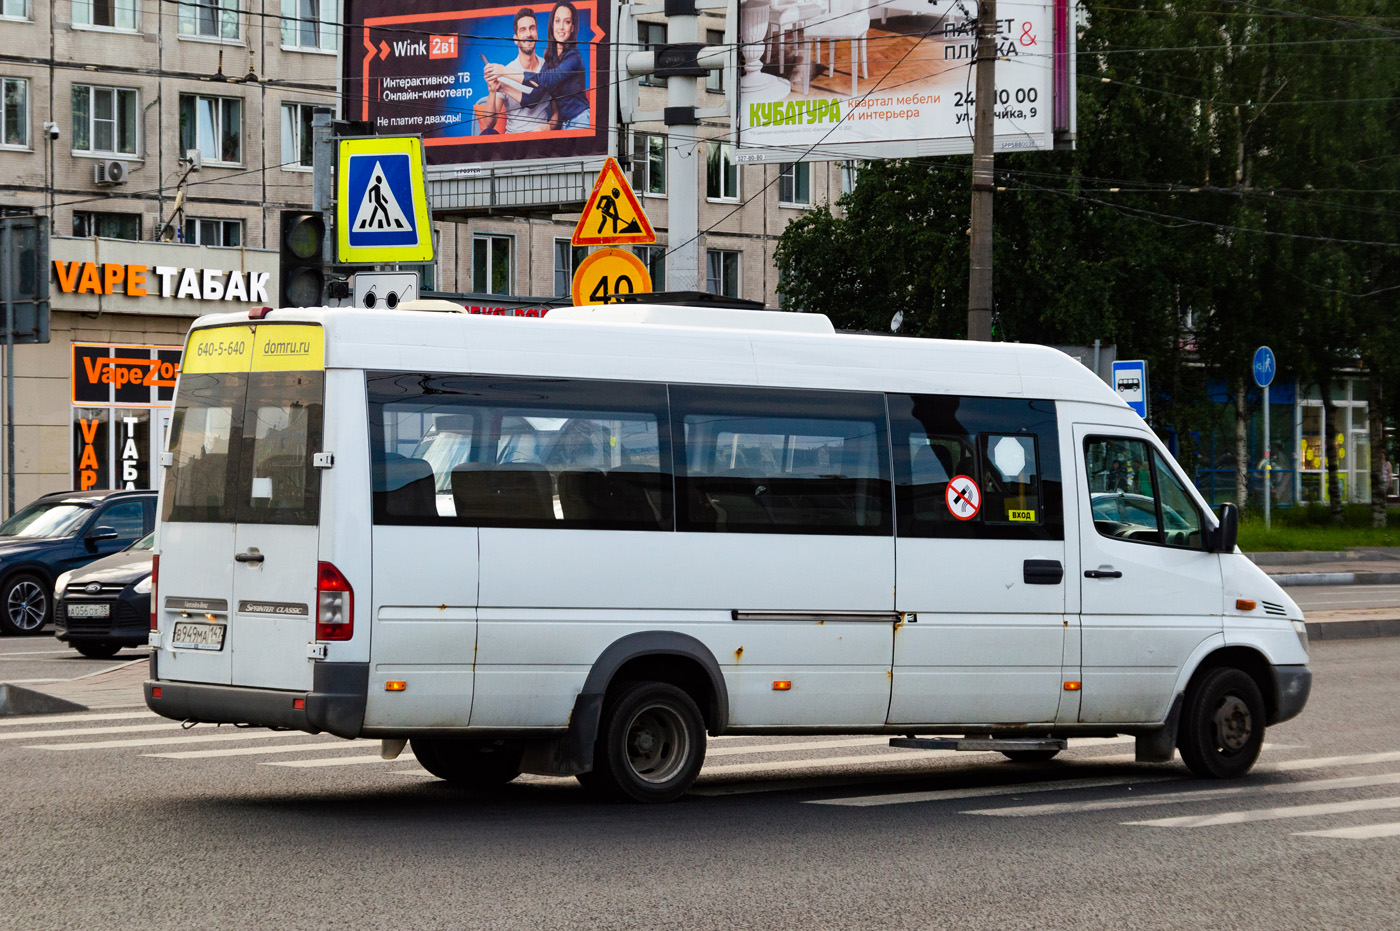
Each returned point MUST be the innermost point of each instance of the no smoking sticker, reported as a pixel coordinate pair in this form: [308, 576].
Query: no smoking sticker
[964, 497]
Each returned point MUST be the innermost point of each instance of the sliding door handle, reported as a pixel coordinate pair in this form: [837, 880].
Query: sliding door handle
[1042, 572]
[1105, 573]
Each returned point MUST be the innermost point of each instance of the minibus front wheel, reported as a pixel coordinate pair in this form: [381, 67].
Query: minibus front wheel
[651, 744]
[1222, 724]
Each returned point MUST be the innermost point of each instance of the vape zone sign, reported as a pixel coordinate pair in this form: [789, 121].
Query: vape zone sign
[121, 405]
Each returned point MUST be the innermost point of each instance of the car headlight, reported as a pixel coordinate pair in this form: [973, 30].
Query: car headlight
[60, 584]
[143, 587]
[1301, 629]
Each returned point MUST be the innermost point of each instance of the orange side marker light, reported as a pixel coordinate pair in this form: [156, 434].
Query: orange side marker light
[782, 685]
[395, 686]
[1244, 604]
[1073, 686]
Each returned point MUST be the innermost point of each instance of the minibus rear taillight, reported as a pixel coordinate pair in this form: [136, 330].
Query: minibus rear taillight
[335, 604]
[155, 601]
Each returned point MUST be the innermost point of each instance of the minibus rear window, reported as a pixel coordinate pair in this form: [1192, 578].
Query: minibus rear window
[204, 469]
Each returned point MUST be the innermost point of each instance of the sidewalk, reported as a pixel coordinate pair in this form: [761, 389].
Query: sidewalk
[1364, 565]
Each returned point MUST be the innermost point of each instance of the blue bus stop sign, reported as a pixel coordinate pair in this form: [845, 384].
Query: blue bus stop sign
[1265, 366]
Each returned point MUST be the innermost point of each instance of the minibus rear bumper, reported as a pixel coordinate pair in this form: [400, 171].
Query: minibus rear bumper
[335, 704]
[1294, 683]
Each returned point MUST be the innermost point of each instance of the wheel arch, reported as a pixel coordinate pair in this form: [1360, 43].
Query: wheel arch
[1249, 660]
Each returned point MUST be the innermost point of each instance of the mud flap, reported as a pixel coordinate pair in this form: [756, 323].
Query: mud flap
[1159, 744]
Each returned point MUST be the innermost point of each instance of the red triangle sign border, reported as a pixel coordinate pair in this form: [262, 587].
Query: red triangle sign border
[646, 235]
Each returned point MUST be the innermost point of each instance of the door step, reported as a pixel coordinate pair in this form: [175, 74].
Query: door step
[979, 743]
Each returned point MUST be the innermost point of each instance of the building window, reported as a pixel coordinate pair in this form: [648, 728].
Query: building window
[311, 24]
[714, 80]
[795, 184]
[651, 36]
[201, 232]
[654, 258]
[212, 19]
[104, 120]
[296, 135]
[492, 265]
[722, 272]
[14, 112]
[566, 259]
[14, 9]
[849, 171]
[649, 157]
[107, 225]
[214, 126]
[110, 14]
[721, 174]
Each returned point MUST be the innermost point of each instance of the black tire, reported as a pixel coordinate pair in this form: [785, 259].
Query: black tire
[477, 764]
[1030, 756]
[26, 604]
[1222, 724]
[98, 650]
[651, 744]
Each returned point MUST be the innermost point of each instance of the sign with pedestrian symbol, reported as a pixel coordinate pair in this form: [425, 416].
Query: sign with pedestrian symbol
[613, 216]
[1265, 366]
[381, 212]
[964, 497]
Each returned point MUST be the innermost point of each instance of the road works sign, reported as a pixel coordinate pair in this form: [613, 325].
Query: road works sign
[613, 216]
[608, 273]
[381, 209]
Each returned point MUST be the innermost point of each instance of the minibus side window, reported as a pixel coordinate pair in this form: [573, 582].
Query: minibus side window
[778, 461]
[1181, 517]
[203, 445]
[1008, 448]
[1135, 496]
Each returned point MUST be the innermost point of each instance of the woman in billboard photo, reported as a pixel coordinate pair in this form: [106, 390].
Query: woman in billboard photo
[563, 79]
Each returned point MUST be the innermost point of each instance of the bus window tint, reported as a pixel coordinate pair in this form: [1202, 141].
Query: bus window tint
[202, 471]
[281, 432]
[1011, 483]
[773, 461]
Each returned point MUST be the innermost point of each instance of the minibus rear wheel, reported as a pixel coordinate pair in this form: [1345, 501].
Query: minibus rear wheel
[479, 764]
[651, 744]
[1222, 724]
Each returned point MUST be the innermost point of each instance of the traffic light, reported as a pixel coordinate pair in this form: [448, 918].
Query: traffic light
[303, 273]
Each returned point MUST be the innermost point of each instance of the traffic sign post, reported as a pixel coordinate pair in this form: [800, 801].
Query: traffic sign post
[1265, 367]
[607, 273]
[381, 208]
[613, 216]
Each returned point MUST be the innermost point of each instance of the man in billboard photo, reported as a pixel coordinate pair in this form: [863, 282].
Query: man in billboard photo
[504, 99]
[562, 82]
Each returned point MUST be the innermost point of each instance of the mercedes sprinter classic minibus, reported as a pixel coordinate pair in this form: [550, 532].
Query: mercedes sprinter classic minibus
[578, 545]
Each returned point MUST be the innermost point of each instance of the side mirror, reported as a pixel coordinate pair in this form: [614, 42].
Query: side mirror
[98, 534]
[1229, 530]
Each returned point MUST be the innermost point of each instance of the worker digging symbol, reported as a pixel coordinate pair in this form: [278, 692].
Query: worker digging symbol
[607, 206]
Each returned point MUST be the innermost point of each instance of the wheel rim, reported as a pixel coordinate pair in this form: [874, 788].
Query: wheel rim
[27, 605]
[1233, 724]
[658, 744]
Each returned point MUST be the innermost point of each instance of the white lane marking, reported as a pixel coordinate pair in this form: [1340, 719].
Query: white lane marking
[939, 795]
[164, 741]
[254, 751]
[1360, 832]
[90, 731]
[1319, 762]
[41, 720]
[6, 656]
[1272, 814]
[331, 761]
[1171, 798]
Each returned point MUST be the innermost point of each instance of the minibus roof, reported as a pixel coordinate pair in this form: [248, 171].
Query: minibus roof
[698, 345]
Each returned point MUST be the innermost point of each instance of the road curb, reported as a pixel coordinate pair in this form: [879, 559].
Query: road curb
[1353, 630]
[15, 700]
[1296, 579]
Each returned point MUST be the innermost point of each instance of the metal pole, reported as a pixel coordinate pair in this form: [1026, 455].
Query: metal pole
[979, 290]
[682, 173]
[1268, 466]
[7, 280]
[323, 174]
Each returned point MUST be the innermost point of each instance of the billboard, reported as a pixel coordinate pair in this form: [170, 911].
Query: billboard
[483, 80]
[895, 78]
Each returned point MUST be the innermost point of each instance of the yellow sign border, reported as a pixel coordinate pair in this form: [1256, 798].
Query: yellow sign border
[601, 255]
[411, 146]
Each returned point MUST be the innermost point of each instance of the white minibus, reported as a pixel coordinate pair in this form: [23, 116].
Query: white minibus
[578, 545]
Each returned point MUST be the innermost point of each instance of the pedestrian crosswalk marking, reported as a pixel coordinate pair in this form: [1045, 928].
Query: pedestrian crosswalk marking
[161, 741]
[1020, 788]
[255, 751]
[1360, 832]
[329, 761]
[88, 731]
[1272, 814]
[45, 719]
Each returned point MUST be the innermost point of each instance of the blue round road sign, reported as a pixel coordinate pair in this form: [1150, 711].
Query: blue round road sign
[1265, 365]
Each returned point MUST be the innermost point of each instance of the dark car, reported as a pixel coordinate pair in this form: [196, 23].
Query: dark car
[106, 605]
[59, 532]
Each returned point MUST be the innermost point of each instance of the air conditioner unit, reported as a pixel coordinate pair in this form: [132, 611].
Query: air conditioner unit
[109, 172]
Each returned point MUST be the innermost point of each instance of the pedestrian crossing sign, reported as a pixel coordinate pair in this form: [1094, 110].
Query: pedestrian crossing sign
[613, 216]
[381, 212]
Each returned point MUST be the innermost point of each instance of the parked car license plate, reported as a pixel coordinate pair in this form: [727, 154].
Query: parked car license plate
[80, 610]
[192, 636]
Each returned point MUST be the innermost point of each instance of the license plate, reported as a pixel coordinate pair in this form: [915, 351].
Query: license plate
[189, 636]
[80, 610]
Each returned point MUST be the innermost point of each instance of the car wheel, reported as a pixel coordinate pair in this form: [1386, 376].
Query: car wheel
[651, 743]
[1030, 756]
[478, 764]
[1222, 724]
[98, 650]
[24, 604]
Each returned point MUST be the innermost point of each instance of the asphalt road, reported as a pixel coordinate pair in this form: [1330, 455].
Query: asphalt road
[38, 660]
[1312, 598]
[118, 819]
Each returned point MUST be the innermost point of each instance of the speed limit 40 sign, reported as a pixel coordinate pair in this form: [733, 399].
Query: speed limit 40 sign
[605, 274]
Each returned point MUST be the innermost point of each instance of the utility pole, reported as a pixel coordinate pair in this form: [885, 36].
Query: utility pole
[979, 285]
[682, 174]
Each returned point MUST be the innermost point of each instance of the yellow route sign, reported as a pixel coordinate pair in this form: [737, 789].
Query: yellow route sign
[613, 215]
[605, 274]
